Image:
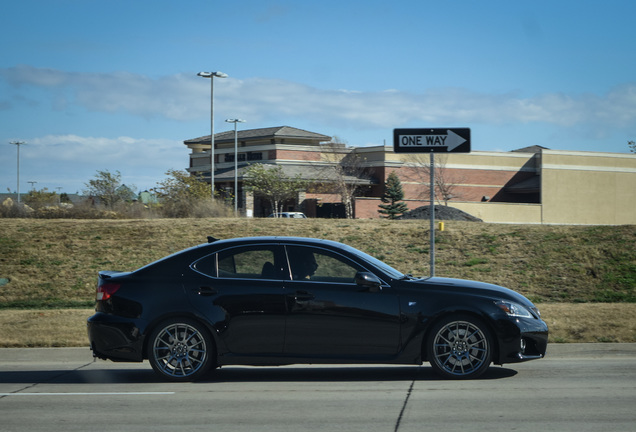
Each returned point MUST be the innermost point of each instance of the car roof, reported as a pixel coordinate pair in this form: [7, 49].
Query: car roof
[215, 244]
[288, 239]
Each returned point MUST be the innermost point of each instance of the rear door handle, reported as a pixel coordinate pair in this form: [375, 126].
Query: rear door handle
[303, 296]
[206, 291]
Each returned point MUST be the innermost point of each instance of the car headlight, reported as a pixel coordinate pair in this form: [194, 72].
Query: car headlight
[513, 309]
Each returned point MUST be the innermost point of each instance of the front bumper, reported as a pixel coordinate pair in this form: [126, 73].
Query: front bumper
[115, 338]
[522, 339]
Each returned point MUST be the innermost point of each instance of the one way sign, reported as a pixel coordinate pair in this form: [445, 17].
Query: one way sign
[438, 140]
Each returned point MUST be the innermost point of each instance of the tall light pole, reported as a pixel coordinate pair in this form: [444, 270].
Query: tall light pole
[18, 144]
[235, 121]
[211, 75]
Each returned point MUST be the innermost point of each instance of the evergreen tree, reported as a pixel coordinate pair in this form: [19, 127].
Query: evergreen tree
[393, 196]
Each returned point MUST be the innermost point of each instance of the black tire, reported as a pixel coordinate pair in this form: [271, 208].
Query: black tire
[181, 350]
[460, 347]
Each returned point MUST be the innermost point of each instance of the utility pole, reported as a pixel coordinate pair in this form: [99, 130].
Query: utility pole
[235, 121]
[18, 144]
[211, 75]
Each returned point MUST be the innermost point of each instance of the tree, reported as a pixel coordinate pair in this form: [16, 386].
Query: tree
[41, 198]
[393, 196]
[126, 193]
[108, 189]
[272, 184]
[445, 183]
[64, 198]
[182, 193]
[344, 174]
[183, 186]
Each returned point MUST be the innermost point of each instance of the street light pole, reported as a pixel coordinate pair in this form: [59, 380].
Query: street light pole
[235, 121]
[18, 144]
[211, 75]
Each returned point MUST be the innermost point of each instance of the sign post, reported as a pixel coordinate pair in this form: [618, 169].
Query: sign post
[431, 212]
[435, 140]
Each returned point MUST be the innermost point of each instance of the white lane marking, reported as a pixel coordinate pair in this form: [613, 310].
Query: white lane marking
[90, 394]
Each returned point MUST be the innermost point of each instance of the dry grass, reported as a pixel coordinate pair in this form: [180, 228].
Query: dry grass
[591, 322]
[44, 328]
[595, 322]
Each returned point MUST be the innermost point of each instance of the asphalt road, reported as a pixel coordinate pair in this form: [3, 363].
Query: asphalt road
[577, 387]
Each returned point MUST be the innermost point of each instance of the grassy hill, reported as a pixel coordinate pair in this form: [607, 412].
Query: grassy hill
[49, 265]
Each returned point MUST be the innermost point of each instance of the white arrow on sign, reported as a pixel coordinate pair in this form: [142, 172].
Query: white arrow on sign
[451, 140]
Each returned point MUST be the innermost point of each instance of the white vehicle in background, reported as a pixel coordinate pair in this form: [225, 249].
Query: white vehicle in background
[295, 215]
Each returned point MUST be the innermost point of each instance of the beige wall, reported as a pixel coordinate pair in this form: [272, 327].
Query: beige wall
[588, 188]
[502, 212]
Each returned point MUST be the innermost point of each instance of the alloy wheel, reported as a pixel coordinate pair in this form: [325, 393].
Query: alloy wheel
[180, 351]
[460, 349]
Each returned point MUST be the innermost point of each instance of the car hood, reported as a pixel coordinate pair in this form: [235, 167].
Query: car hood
[469, 287]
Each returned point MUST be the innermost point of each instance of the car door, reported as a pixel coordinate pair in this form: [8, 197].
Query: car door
[330, 316]
[240, 291]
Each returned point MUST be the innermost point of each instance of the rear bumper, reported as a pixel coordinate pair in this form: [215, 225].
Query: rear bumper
[115, 338]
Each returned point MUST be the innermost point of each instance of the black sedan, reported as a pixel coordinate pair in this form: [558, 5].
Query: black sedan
[288, 300]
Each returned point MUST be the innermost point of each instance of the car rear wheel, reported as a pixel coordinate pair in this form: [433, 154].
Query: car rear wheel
[460, 347]
[180, 350]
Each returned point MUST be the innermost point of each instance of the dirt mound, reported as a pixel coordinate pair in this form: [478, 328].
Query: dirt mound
[441, 213]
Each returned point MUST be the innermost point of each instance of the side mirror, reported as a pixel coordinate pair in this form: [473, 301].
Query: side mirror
[368, 280]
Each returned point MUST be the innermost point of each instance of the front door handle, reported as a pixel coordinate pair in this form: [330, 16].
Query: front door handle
[206, 291]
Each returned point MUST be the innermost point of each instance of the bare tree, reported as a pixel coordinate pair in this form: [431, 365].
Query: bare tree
[344, 174]
[445, 182]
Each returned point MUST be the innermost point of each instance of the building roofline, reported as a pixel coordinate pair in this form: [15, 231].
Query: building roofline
[261, 133]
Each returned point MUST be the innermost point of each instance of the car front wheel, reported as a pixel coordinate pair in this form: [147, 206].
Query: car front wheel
[180, 350]
[460, 347]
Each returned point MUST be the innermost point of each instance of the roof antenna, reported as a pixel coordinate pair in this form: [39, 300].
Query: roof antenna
[212, 239]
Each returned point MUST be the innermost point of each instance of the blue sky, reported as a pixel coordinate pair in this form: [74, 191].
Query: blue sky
[111, 85]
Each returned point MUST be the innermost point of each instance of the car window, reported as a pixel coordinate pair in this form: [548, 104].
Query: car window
[390, 271]
[247, 264]
[320, 265]
[244, 262]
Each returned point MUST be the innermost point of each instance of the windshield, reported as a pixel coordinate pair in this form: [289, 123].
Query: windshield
[384, 267]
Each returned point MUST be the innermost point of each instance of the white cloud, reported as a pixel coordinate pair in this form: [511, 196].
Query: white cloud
[71, 160]
[95, 150]
[184, 97]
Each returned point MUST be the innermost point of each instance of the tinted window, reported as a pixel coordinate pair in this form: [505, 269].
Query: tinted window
[320, 265]
[245, 263]
[390, 271]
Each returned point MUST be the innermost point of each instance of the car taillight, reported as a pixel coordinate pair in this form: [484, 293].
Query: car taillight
[105, 291]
